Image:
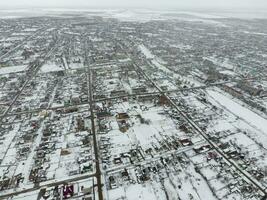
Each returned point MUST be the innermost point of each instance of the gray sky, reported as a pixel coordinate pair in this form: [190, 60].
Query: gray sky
[137, 3]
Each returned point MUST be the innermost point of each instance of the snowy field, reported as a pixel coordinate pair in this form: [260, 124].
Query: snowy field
[13, 69]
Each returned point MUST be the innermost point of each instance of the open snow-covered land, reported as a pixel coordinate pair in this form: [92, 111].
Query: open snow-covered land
[132, 104]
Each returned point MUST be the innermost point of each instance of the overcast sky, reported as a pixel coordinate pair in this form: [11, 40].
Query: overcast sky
[137, 3]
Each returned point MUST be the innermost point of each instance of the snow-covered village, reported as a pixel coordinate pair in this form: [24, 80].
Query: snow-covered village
[132, 105]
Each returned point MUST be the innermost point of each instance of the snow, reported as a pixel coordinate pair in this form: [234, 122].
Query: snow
[27, 196]
[228, 72]
[10, 17]
[13, 69]
[207, 21]
[146, 52]
[224, 64]
[76, 66]
[202, 15]
[51, 67]
[157, 62]
[255, 33]
[149, 15]
[130, 15]
[137, 192]
[249, 116]
[141, 15]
